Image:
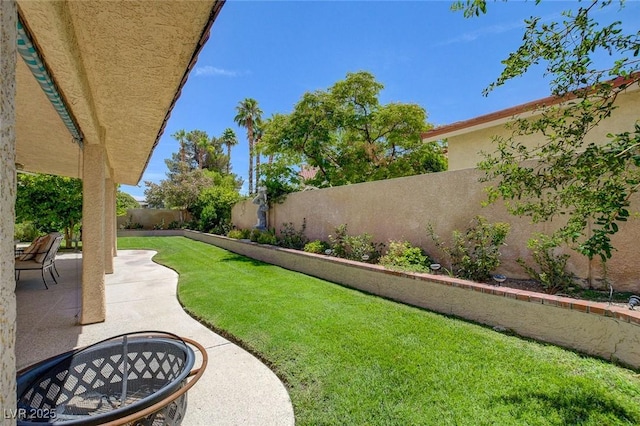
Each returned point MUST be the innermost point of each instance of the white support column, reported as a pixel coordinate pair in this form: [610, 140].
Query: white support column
[93, 234]
[109, 225]
[8, 17]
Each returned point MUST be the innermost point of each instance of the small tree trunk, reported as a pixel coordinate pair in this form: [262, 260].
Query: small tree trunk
[68, 235]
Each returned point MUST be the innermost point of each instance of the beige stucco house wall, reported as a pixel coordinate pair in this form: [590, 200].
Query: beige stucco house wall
[113, 71]
[467, 140]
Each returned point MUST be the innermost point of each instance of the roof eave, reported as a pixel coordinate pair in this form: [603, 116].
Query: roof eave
[525, 110]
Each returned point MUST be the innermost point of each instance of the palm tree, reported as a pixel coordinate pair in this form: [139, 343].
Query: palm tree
[181, 136]
[248, 113]
[257, 137]
[229, 139]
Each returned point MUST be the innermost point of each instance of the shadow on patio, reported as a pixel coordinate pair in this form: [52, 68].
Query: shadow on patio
[141, 295]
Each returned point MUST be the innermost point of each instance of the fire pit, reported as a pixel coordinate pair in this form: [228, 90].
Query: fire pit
[135, 378]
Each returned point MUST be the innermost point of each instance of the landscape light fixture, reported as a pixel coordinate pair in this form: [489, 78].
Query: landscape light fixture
[634, 301]
[435, 267]
[499, 278]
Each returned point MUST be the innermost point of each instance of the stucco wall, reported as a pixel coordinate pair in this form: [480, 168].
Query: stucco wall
[401, 209]
[8, 15]
[594, 328]
[149, 218]
[465, 150]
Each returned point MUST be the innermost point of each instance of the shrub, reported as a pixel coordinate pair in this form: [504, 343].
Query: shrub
[476, 253]
[159, 226]
[317, 246]
[130, 224]
[290, 238]
[551, 271]
[362, 248]
[263, 237]
[401, 255]
[26, 231]
[238, 234]
[354, 247]
[174, 224]
[338, 241]
[222, 228]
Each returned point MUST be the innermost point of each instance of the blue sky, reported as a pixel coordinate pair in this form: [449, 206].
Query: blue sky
[421, 51]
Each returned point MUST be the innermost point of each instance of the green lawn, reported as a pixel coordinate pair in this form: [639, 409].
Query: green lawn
[354, 359]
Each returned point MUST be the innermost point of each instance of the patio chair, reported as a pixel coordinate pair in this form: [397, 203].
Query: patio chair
[40, 255]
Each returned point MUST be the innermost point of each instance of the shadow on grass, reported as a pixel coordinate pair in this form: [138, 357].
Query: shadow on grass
[575, 405]
[233, 257]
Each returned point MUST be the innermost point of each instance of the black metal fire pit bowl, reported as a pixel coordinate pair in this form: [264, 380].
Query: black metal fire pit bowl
[135, 379]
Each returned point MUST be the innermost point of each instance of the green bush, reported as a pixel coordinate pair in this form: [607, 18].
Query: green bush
[551, 269]
[354, 247]
[212, 210]
[317, 246]
[338, 241]
[476, 253]
[222, 228]
[239, 234]
[174, 224]
[291, 238]
[401, 255]
[130, 224]
[26, 231]
[263, 237]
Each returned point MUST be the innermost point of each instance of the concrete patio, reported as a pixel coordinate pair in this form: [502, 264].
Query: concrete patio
[236, 388]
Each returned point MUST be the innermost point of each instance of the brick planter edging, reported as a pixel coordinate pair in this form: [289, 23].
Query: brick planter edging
[595, 328]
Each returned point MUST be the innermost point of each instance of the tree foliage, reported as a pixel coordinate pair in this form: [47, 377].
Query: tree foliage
[125, 202]
[198, 150]
[589, 182]
[212, 209]
[180, 190]
[348, 136]
[198, 180]
[51, 203]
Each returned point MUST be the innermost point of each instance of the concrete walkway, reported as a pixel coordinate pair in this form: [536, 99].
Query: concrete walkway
[236, 388]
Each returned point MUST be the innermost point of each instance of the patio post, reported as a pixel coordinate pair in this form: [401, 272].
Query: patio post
[109, 224]
[93, 234]
[8, 55]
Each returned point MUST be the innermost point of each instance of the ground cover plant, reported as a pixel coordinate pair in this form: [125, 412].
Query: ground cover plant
[350, 358]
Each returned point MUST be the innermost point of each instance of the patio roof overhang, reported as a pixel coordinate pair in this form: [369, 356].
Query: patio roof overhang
[118, 66]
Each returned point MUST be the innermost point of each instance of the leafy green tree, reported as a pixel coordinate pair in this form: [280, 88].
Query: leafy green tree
[212, 209]
[349, 137]
[590, 183]
[180, 190]
[201, 184]
[125, 202]
[248, 115]
[51, 203]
